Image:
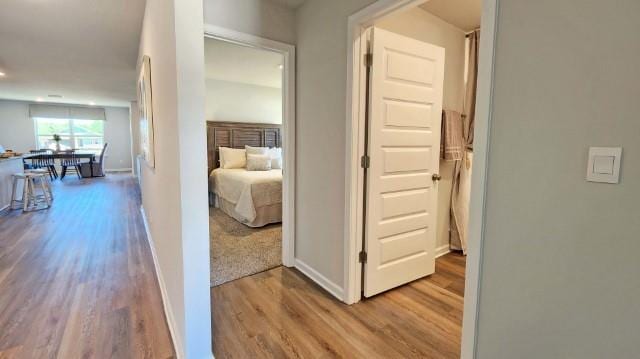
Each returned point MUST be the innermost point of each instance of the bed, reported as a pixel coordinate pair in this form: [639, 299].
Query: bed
[253, 198]
[250, 197]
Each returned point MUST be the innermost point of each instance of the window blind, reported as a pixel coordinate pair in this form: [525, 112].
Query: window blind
[67, 112]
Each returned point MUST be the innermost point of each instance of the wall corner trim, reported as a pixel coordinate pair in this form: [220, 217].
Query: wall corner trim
[321, 280]
[168, 313]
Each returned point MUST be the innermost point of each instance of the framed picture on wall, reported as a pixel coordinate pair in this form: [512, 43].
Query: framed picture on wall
[146, 112]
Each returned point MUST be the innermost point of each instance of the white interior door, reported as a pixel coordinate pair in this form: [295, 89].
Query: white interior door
[406, 85]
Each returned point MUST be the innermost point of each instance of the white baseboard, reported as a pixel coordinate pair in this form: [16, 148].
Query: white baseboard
[118, 170]
[321, 280]
[177, 344]
[442, 250]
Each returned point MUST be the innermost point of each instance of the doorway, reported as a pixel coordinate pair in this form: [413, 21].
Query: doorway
[251, 115]
[368, 215]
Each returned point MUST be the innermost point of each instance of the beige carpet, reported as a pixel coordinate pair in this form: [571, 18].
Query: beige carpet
[238, 251]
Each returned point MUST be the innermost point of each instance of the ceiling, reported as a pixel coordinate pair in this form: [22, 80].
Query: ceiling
[290, 3]
[84, 51]
[463, 14]
[236, 63]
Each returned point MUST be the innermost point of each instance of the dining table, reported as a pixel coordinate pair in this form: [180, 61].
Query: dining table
[87, 155]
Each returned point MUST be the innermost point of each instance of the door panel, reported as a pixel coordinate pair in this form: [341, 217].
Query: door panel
[401, 245]
[404, 203]
[407, 114]
[404, 145]
[409, 67]
[405, 159]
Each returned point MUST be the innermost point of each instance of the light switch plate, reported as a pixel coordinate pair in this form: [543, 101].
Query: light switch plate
[604, 164]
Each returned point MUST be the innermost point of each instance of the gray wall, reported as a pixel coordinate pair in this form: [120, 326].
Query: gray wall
[117, 133]
[135, 135]
[17, 132]
[320, 132]
[263, 18]
[560, 269]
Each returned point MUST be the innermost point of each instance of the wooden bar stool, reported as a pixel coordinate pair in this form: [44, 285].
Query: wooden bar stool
[46, 179]
[30, 200]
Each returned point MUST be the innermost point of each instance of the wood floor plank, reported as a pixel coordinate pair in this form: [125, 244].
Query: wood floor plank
[78, 280]
[281, 313]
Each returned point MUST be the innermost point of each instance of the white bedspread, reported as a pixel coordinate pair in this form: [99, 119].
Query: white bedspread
[247, 190]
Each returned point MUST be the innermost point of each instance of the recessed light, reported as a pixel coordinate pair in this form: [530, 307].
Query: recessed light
[39, 99]
[2, 74]
[280, 67]
[91, 103]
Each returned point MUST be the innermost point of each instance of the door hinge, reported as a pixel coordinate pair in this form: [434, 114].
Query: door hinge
[365, 161]
[362, 257]
[368, 60]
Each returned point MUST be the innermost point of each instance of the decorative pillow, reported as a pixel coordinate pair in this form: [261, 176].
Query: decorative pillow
[232, 157]
[258, 162]
[276, 157]
[256, 150]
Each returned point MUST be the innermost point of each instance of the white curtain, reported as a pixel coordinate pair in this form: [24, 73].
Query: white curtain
[461, 186]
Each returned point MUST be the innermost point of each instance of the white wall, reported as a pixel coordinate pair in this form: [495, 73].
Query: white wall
[560, 268]
[117, 133]
[320, 134]
[239, 102]
[17, 132]
[423, 26]
[262, 18]
[174, 193]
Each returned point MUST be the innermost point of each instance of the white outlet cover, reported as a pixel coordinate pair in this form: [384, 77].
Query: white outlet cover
[604, 164]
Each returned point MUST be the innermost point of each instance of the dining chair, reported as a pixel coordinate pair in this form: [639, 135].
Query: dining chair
[44, 159]
[98, 166]
[69, 162]
[36, 159]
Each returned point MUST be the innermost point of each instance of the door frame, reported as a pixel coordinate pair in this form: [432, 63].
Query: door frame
[288, 125]
[356, 87]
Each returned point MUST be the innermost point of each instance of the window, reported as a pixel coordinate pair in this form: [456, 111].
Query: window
[85, 135]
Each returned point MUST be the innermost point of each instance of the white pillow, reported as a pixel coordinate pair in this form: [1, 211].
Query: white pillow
[258, 162]
[256, 150]
[276, 157]
[232, 158]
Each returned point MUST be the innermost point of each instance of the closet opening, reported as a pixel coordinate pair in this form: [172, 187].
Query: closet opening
[413, 131]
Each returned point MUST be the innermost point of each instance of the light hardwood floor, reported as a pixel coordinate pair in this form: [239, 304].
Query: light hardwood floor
[282, 314]
[77, 280]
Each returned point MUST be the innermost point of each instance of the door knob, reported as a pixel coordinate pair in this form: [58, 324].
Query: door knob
[436, 177]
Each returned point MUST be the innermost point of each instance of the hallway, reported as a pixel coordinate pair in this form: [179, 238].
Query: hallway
[78, 280]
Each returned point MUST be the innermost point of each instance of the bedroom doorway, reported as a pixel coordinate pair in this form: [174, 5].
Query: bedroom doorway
[250, 153]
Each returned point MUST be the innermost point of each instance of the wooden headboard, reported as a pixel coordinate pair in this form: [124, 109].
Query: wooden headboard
[237, 135]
